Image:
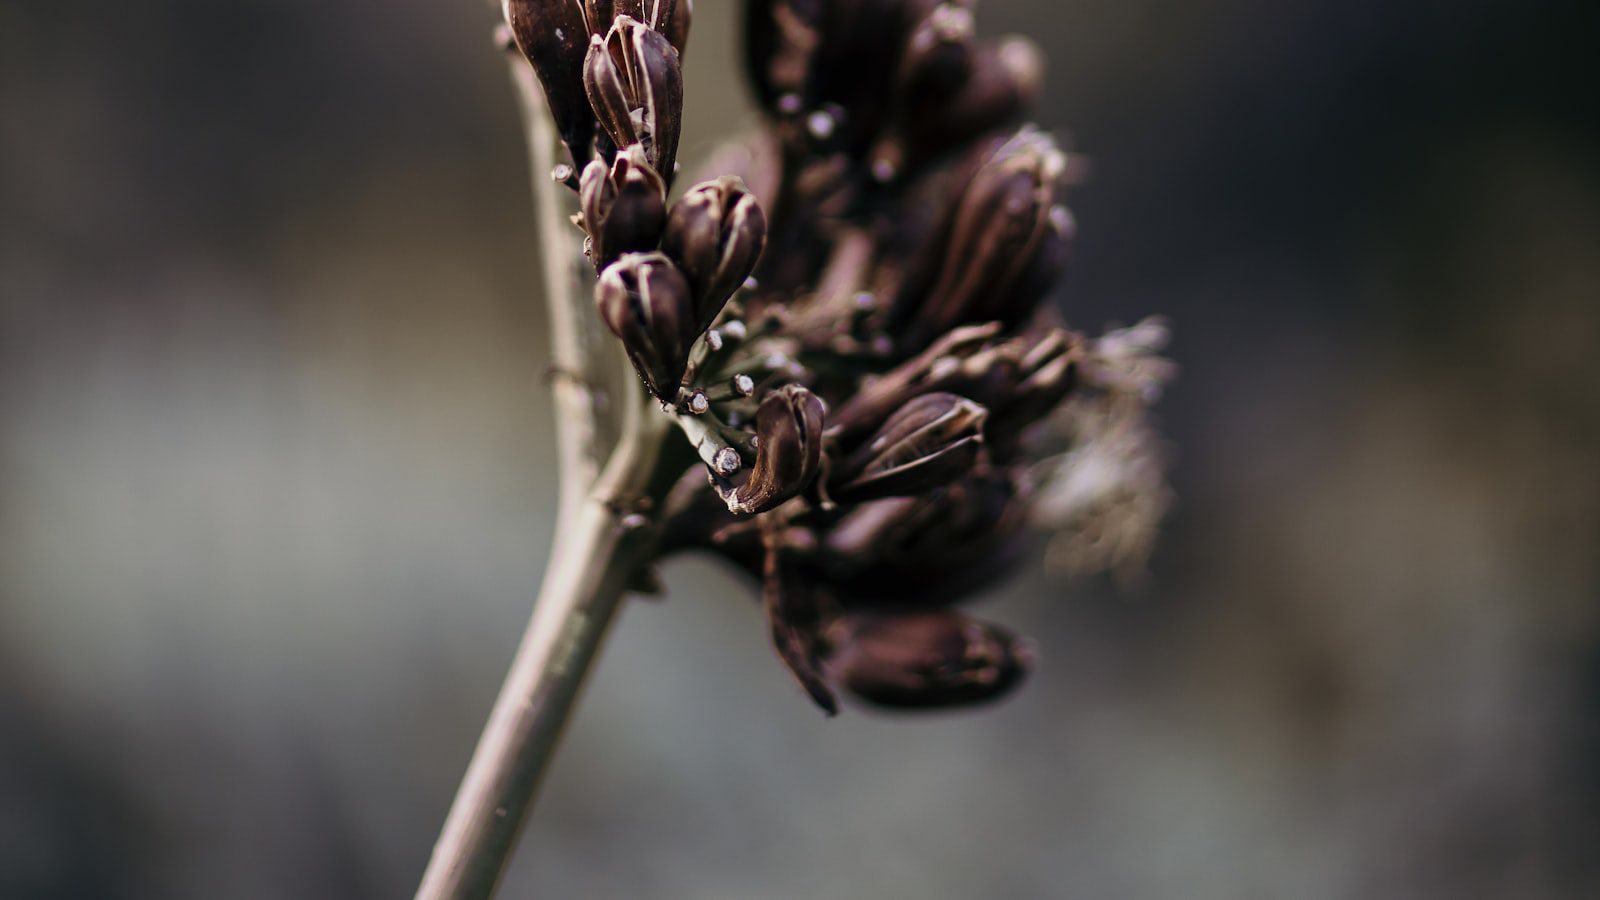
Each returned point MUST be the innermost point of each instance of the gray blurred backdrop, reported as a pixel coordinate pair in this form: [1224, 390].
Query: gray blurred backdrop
[275, 477]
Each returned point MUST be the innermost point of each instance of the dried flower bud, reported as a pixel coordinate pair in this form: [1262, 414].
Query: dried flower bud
[928, 443]
[553, 36]
[870, 404]
[670, 17]
[644, 300]
[929, 551]
[624, 206]
[998, 82]
[788, 451]
[781, 36]
[1046, 372]
[715, 234]
[635, 84]
[999, 223]
[922, 659]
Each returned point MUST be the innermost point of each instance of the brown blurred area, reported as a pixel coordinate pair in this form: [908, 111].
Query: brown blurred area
[275, 477]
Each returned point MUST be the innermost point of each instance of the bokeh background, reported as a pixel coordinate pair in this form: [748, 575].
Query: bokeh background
[275, 477]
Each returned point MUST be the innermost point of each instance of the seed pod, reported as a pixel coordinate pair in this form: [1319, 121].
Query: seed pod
[644, 300]
[998, 225]
[554, 38]
[635, 84]
[715, 234]
[624, 206]
[927, 444]
[788, 451]
[924, 659]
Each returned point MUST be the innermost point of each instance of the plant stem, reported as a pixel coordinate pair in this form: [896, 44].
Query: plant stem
[582, 587]
[602, 544]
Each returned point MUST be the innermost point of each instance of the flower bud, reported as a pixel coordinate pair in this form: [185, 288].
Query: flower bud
[999, 224]
[781, 37]
[635, 84]
[644, 300]
[926, 659]
[624, 206]
[998, 82]
[553, 36]
[1046, 371]
[788, 451]
[929, 551]
[924, 373]
[670, 17]
[928, 443]
[715, 234]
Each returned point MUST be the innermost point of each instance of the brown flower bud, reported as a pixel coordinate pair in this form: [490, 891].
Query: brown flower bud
[926, 659]
[788, 451]
[998, 226]
[670, 17]
[1046, 371]
[926, 444]
[924, 373]
[635, 84]
[944, 110]
[624, 206]
[928, 551]
[781, 37]
[553, 36]
[644, 300]
[715, 234]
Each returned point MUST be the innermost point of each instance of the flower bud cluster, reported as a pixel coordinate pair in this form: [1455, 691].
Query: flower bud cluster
[877, 388]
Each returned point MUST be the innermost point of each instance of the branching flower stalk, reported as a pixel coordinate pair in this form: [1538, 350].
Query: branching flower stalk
[847, 377]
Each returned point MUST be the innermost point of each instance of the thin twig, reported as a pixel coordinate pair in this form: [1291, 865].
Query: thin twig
[606, 546]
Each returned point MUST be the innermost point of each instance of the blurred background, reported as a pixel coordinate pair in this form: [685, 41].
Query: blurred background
[275, 473]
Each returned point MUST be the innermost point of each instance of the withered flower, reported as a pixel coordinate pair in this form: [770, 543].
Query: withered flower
[644, 300]
[926, 444]
[715, 234]
[788, 451]
[869, 396]
[917, 659]
[624, 206]
[635, 85]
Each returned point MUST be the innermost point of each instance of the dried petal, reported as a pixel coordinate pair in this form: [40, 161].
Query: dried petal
[928, 443]
[788, 451]
[715, 233]
[635, 84]
[644, 300]
[926, 659]
[624, 206]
